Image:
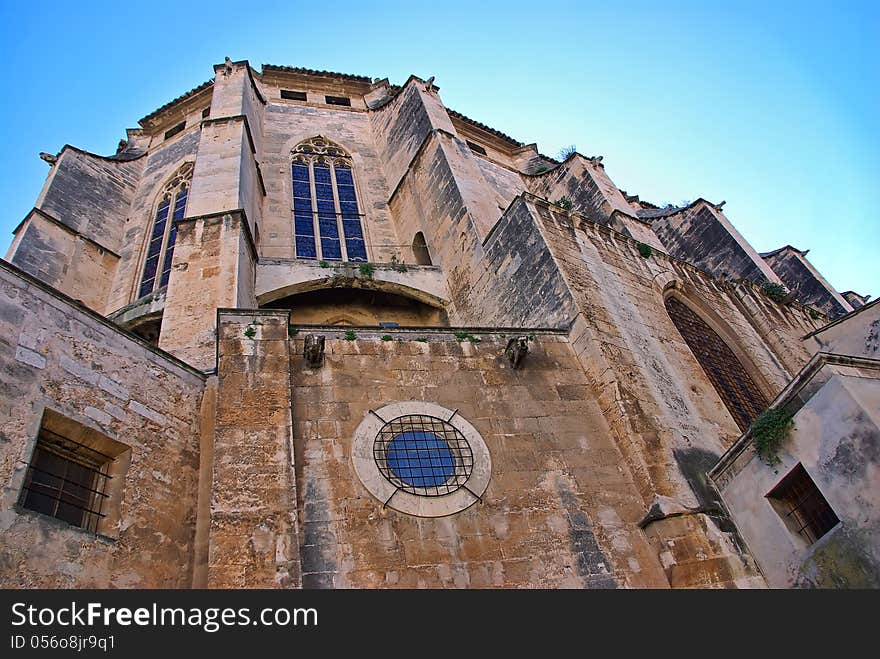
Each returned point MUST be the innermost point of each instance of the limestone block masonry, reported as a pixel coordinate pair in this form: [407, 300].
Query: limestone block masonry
[206, 331]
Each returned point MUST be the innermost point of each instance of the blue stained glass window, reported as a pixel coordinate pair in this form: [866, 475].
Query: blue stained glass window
[305, 247]
[154, 248]
[330, 249]
[328, 227]
[352, 229]
[357, 250]
[349, 209]
[324, 191]
[346, 193]
[169, 254]
[420, 459]
[180, 205]
[326, 208]
[301, 189]
[322, 174]
[303, 225]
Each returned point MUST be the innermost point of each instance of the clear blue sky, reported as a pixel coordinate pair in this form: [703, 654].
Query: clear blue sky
[771, 106]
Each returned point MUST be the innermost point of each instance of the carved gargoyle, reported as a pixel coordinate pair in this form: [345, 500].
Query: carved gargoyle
[313, 350]
[516, 350]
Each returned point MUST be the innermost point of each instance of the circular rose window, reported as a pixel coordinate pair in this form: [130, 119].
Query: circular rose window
[421, 458]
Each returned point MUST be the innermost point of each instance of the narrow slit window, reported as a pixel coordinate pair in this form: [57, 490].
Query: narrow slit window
[171, 132]
[327, 221]
[293, 95]
[476, 147]
[160, 249]
[338, 100]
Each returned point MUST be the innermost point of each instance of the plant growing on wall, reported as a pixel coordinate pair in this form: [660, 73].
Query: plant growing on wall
[350, 335]
[768, 431]
[250, 331]
[564, 203]
[775, 292]
[645, 250]
[387, 337]
[399, 266]
[323, 264]
[566, 152]
[367, 270]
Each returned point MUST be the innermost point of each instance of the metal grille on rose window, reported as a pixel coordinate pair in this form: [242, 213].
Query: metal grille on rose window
[423, 455]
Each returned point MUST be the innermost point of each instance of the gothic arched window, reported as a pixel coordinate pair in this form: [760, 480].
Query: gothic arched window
[736, 388]
[326, 218]
[160, 249]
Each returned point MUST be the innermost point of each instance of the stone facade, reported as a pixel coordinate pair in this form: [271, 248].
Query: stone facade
[525, 295]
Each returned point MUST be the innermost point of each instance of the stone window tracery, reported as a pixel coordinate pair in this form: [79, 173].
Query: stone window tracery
[160, 248]
[326, 217]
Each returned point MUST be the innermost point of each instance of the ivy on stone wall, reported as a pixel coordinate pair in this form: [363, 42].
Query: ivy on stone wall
[769, 431]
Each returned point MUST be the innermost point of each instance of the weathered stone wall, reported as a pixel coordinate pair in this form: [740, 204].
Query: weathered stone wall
[57, 356]
[858, 334]
[92, 194]
[518, 283]
[669, 422]
[561, 509]
[702, 236]
[54, 254]
[253, 528]
[835, 438]
[213, 268]
[808, 285]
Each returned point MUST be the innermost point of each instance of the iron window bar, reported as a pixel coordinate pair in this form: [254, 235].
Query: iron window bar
[423, 455]
[57, 494]
[62, 441]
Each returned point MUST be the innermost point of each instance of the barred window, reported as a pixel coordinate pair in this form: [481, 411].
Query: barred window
[69, 474]
[327, 221]
[802, 505]
[736, 388]
[160, 249]
[421, 459]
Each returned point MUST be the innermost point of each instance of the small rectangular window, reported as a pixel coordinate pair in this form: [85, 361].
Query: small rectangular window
[802, 505]
[206, 112]
[171, 132]
[338, 100]
[476, 147]
[293, 96]
[69, 479]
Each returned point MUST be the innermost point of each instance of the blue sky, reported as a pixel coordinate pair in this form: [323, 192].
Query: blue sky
[772, 107]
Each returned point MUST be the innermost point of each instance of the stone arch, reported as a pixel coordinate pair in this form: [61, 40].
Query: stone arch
[358, 302]
[732, 374]
[420, 250]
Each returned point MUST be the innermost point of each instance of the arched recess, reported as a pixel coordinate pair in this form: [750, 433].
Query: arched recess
[732, 380]
[359, 306]
[420, 250]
